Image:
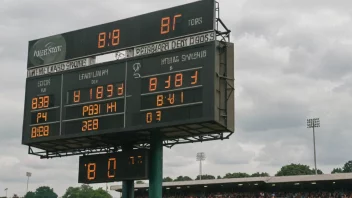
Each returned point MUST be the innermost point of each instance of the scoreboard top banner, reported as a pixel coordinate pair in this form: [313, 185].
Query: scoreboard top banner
[165, 24]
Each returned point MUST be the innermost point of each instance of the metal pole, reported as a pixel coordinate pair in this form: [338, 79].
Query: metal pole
[200, 170]
[127, 186]
[27, 183]
[315, 157]
[156, 165]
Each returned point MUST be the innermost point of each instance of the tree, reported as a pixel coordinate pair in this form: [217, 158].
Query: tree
[30, 194]
[45, 191]
[236, 175]
[337, 170]
[85, 191]
[347, 168]
[140, 182]
[219, 177]
[15, 196]
[263, 174]
[296, 169]
[183, 178]
[167, 179]
[206, 177]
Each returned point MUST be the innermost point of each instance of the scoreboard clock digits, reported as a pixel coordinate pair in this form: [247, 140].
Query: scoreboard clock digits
[40, 102]
[165, 23]
[112, 39]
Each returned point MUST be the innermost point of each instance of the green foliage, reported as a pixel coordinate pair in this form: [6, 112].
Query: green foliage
[219, 177]
[347, 168]
[43, 191]
[205, 177]
[167, 179]
[337, 170]
[263, 174]
[183, 178]
[86, 191]
[140, 182]
[296, 169]
[236, 175]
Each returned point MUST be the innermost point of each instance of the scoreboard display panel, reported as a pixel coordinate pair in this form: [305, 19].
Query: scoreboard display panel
[110, 167]
[164, 24]
[141, 93]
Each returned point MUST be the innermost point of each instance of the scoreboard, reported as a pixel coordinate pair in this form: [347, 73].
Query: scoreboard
[131, 95]
[170, 81]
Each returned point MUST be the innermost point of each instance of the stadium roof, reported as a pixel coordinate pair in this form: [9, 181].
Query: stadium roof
[269, 180]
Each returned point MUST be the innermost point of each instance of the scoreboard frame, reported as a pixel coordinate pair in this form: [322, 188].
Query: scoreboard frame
[220, 125]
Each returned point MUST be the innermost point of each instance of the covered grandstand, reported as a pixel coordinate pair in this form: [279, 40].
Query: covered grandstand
[341, 182]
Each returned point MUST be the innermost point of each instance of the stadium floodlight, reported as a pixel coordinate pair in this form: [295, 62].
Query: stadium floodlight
[200, 158]
[314, 123]
[28, 174]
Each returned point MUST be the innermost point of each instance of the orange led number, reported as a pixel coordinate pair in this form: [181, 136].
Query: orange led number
[120, 89]
[159, 100]
[165, 24]
[168, 81]
[91, 171]
[171, 98]
[40, 102]
[40, 131]
[101, 39]
[89, 125]
[152, 83]
[113, 161]
[93, 109]
[115, 40]
[178, 80]
[195, 78]
[76, 96]
[110, 90]
[149, 116]
[42, 115]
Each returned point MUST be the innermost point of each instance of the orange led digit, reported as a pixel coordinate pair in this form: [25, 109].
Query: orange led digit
[40, 131]
[89, 125]
[149, 117]
[101, 39]
[40, 102]
[176, 16]
[113, 161]
[115, 37]
[139, 160]
[111, 107]
[46, 130]
[182, 97]
[171, 98]
[34, 103]
[120, 89]
[159, 100]
[46, 101]
[34, 132]
[131, 160]
[91, 171]
[158, 115]
[165, 22]
[195, 78]
[168, 81]
[152, 83]
[178, 80]
[76, 96]
[99, 93]
[110, 90]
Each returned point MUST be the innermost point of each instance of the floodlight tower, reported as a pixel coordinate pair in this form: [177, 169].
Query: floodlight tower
[28, 174]
[200, 158]
[314, 123]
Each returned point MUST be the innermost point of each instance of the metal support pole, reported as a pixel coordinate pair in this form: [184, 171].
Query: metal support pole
[27, 183]
[315, 157]
[156, 165]
[200, 170]
[127, 186]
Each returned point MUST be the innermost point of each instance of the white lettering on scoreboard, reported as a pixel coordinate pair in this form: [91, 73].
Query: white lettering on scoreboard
[131, 52]
[174, 44]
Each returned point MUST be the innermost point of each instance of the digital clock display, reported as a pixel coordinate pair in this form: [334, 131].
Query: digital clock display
[110, 167]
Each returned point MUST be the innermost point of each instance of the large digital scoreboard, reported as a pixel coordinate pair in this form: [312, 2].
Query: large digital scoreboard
[171, 81]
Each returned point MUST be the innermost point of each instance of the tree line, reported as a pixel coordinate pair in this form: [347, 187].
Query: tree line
[86, 191]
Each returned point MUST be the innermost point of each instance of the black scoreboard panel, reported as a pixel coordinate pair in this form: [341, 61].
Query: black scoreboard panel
[150, 92]
[156, 26]
[110, 167]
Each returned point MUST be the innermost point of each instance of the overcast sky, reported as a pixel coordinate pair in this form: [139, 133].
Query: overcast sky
[293, 62]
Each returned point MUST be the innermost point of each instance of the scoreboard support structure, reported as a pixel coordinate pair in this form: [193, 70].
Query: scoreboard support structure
[174, 85]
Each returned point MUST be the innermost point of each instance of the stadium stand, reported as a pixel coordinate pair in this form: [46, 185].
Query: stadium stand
[303, 186]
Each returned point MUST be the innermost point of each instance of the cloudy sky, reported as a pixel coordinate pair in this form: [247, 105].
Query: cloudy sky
[293, 61]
